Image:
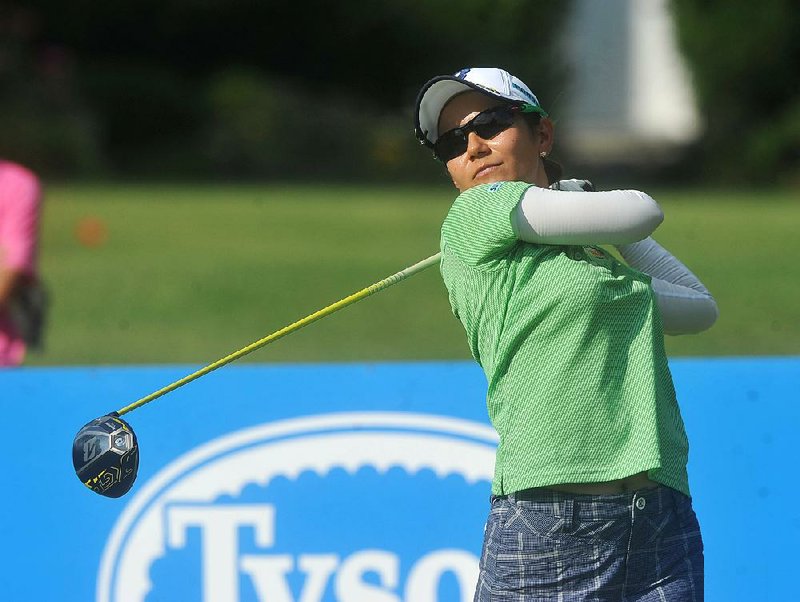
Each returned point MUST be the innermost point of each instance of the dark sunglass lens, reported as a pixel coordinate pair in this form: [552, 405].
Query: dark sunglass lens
[488, 125]
[450, 145]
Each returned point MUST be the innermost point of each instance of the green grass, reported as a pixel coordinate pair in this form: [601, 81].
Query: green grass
[191, 273]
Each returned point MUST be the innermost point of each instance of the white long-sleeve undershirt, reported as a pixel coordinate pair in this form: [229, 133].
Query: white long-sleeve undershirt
[686, 305]
[571, 216]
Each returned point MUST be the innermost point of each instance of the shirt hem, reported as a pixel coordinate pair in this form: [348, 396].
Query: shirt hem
[595, 476]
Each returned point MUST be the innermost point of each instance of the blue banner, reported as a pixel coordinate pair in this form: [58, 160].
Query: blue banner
[366, 482]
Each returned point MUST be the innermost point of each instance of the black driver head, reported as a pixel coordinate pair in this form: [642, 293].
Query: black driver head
[106, 456]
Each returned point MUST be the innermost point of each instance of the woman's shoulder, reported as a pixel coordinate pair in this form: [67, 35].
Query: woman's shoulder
[15, 176]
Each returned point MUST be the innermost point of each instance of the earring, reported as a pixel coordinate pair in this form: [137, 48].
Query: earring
[543, 154]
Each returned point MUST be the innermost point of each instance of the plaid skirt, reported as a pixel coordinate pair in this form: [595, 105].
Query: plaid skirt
[633, 547]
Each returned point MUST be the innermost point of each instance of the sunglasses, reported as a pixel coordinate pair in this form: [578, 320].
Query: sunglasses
[487, 124]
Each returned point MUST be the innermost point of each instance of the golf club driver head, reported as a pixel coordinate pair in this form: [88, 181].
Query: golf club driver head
[105, 455]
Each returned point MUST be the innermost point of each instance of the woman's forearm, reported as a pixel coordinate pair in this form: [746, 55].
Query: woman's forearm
[686, 305]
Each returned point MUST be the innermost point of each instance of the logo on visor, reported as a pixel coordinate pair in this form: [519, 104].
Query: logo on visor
[354, 506]
[525, 93]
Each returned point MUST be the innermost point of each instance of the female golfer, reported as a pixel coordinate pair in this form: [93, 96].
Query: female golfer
[590, 498]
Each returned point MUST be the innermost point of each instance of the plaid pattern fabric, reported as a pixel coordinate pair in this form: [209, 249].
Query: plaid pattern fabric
[544, 545]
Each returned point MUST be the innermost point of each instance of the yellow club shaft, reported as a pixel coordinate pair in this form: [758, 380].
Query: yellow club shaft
[325, 311]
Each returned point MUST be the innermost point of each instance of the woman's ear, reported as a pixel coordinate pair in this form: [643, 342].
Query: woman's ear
[546, 134]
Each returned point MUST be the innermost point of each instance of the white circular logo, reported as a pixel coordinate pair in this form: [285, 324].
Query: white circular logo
[206, 496]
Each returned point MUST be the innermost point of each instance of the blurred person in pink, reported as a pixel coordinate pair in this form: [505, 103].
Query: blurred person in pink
[20, 200]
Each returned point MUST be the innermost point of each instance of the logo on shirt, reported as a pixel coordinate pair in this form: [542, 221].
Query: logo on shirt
[353, 506]
[496, 186]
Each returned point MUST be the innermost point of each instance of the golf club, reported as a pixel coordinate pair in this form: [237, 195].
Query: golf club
[105, 452]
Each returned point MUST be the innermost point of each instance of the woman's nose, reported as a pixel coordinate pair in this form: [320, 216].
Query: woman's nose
[476, 146]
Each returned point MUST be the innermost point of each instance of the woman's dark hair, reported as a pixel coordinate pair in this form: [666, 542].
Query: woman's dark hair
[532, 120]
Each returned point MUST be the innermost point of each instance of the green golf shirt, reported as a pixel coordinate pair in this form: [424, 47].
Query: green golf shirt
[571, 342]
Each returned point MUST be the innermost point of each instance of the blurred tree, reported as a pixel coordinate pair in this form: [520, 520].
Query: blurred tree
[44, 123]
[155, 73]
[744, 57]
